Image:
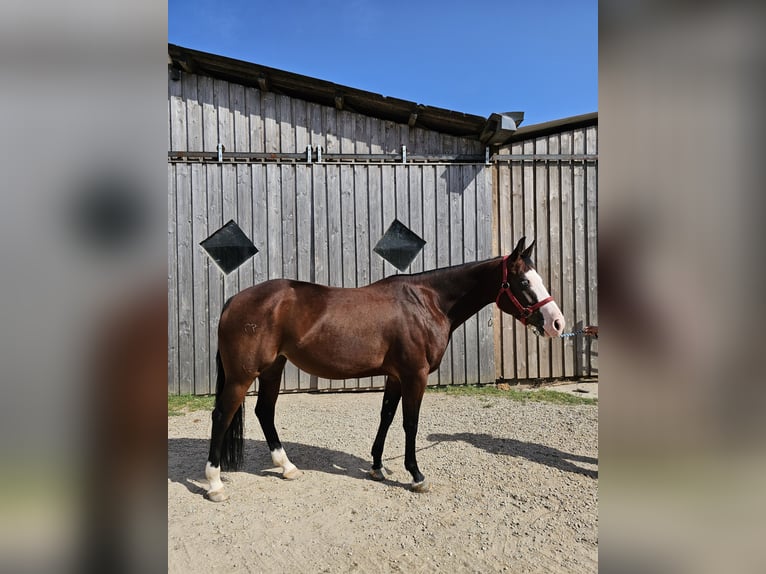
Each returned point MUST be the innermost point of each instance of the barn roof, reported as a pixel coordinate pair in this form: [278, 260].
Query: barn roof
[496, 129]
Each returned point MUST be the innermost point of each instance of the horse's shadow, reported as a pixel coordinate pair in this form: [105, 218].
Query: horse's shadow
[531, 451]
[187, 456]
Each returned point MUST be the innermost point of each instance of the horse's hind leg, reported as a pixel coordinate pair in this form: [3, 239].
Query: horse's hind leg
[268, 392]
[226, 440]
[391, 397]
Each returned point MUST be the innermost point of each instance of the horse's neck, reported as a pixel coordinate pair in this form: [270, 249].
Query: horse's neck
[465, 289]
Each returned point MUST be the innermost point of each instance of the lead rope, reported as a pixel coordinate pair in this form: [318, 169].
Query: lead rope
[572, 334]
[579, 332]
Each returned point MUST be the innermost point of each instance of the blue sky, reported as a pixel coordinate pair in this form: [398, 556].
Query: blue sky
[477, 57]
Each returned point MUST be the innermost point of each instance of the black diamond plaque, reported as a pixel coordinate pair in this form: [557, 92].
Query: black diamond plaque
[229, 247]
[399, 245]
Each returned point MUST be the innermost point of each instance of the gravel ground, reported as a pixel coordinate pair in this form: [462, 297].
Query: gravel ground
[514, 488]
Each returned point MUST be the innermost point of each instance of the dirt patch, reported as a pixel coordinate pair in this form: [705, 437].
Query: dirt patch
[514, 487]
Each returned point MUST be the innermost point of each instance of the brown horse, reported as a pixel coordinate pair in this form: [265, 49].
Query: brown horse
[398, 327]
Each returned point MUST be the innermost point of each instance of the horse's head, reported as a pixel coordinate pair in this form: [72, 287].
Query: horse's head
[524, 296]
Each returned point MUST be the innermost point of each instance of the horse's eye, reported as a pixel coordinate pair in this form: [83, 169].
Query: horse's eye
[524, 283]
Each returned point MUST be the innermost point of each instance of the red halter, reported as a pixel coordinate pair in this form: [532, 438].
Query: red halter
[524, 311]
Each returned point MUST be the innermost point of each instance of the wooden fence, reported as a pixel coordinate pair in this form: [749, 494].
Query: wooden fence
[320, 221]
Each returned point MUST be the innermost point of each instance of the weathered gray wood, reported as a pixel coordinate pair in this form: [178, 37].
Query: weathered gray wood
[591, 218]
[193, 113]
[533, 365]
[286, 124]
[455, 186]
[241, 121]
[173, 376]
[567, 266]
[415, 188]
[442, 199]
[348, 225]
[270, 123]
[177, 126]
[225, 116]
[580, 265]
[320, 223]
[245, 218]
[255, 119]
[185, 280]
[206, 94]
[555, 285]
[215, 276]
[274, 220]
[517, 198]
[471, 327]
[200, 262]
[540, 212]
[375, 219]
[486, 362]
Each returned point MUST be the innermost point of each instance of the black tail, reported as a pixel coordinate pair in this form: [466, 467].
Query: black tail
[233, 438]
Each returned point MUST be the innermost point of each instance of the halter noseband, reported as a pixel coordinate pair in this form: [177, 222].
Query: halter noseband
[524, 311]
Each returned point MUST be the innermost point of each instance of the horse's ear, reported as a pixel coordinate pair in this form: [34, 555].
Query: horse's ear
[528, 251]
[518, 249]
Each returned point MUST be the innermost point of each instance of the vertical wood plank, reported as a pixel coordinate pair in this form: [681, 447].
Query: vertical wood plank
[455, 183]
[335, 241]
[215, 276]
[229, 196]
[185, 282]
[348, 225]
[225, 116]
[206, 95]
[173, 295]
[286, 124]
[193, 113]
[304, 238]
[177, 116]
[200, 262]
[517, 199]
[270, 124]
[541, 255]
[567, 266]
[555, 285]
[259, 236]
[321, 241]
[274, 220]
[506, 237]
[315, 122]
[530, 232]
[591, 219]
[240, 117]
[580, 265]
[245, 218]
[443, 251]
[375, 183]
[388, 179]
[255, 117]
[332, 140]
[415, 186]
[300, 118]
[468, 176]
[483, 184]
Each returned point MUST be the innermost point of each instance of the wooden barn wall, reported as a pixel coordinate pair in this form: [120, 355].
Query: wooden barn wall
[316, 222]
[555, 202]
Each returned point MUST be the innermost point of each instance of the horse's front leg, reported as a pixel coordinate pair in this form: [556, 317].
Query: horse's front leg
[412, 397]
[391, 397]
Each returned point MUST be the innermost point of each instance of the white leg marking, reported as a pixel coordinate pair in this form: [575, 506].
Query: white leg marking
[213, 475]
[279, 458]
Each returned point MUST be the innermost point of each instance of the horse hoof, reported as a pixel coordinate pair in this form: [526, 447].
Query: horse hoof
[421, 486]
[218, 495]
[292, 474]
[378, 473]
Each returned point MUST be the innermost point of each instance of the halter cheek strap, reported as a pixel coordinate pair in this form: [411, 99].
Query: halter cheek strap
[524, 311]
